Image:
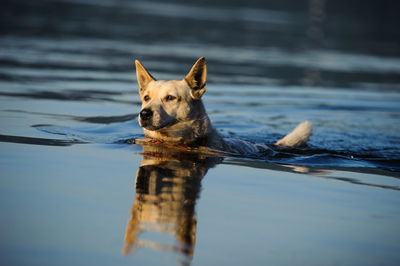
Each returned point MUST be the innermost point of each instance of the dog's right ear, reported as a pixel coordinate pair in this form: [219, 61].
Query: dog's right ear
[143, 76]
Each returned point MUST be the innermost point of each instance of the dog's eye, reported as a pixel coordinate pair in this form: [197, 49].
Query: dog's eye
[170, 98]
[146, 98]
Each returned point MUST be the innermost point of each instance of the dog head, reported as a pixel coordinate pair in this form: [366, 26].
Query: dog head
[169, 107]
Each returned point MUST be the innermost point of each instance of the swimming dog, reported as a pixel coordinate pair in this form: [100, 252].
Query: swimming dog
[173, 112]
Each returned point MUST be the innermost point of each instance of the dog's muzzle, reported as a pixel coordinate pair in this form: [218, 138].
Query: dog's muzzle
[152, 121]
[146, 114]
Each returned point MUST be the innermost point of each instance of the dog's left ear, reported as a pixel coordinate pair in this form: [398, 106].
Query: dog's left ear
[197, 78]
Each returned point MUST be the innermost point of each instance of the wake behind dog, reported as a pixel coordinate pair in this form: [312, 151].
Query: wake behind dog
[173, 114]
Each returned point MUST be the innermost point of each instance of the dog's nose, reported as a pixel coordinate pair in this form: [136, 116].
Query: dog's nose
[146, 114]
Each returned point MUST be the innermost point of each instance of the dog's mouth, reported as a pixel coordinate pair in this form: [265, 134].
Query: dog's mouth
[150, 125]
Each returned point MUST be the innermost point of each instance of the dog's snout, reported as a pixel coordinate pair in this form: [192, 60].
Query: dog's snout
[146, 114]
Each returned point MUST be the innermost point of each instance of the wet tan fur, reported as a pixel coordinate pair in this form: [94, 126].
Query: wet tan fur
[179, 115]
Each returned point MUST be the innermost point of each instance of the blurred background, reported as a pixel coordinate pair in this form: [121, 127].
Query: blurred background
[347, 44]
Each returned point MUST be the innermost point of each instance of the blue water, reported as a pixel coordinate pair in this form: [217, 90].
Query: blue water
[74, 192]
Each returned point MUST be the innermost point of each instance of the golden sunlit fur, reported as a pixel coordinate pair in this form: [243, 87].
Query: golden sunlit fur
[172, 111]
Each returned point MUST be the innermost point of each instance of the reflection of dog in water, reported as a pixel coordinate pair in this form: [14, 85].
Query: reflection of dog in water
[172, 111]
[167, 187]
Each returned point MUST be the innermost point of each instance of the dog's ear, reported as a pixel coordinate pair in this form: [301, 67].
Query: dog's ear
[197, 78]
[143, 76]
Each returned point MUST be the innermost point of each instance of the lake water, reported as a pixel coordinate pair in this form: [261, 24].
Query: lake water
[74, 192]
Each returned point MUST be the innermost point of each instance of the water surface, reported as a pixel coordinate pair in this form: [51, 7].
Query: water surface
[74, 192]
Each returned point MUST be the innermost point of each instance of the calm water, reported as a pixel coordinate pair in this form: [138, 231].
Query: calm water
[73, 192]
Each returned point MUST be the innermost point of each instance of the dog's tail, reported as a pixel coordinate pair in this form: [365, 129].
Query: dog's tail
[298, 137]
